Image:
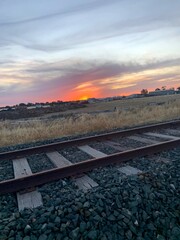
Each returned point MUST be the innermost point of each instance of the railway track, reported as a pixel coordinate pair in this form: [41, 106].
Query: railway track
[125, 145]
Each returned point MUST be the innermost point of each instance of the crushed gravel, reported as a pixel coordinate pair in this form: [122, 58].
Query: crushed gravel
[39, 162]
[129, 143]
[103, 148]
[6, 170]
[75, 155]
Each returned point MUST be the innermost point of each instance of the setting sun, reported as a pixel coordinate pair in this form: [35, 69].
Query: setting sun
[83, 98]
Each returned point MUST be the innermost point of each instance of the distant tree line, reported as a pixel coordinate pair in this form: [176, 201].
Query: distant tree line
[163, 88]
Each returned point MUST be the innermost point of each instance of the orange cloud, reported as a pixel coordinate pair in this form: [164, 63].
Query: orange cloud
[84, 85]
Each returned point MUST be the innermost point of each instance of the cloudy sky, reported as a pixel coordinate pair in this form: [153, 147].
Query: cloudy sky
[67, 50]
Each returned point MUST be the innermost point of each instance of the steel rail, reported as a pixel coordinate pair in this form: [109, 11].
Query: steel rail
[75, 142]
[41, 178]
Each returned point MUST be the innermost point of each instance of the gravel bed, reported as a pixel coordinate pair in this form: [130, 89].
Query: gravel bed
[141, 207]
[75, 155]
[8, 207]
[154, 163]
[6, 170]
[178, 128]
[103, 148]
[106, 175]
[39, 162]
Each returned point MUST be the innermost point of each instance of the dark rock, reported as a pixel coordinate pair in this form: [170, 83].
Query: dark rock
[42, 220]
[82, 227]
[87, 213]
[86, 205]
[176, 231]
[129, 235]
[51, 237]
[57, 220]
[27, 229]
[134, 204]
[3, 237]
[11, 234]
[42, 237]
[33, 237]
[27, 238]
[12, 224]
[97, 218]
[160, 237]
[111, 218]
[74, 234]
[44, 227]
[109, 236]
[92, 234]
[151, 227]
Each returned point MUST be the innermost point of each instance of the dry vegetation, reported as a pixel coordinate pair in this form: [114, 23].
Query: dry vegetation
[139, 113]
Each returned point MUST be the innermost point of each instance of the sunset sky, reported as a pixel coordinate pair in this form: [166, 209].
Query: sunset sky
[68, 50]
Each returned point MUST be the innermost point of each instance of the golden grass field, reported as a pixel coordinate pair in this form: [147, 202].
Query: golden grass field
[130, 113]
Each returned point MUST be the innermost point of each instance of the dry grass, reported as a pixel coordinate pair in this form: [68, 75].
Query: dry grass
[32, 131]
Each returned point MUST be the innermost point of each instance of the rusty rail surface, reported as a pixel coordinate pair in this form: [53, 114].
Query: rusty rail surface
[41, 178]
[75, 142]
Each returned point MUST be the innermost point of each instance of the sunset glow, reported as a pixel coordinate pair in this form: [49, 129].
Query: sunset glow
[112, 48]
[84, 98]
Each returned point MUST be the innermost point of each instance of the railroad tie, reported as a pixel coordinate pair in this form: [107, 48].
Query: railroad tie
[83, 182]
[158, 135]
[143, 140]
[116, 146]
[173, 131]
[29, 198]
[92, 152]
[128, 170]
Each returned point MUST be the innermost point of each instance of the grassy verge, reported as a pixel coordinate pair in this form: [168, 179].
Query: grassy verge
[31, 131]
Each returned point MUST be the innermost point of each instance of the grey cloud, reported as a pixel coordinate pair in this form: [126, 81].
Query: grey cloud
[98, 33]
[2, 90]
[15, 76]
[94, 67]
[6, 63]
[75, 9]
[11, 88]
